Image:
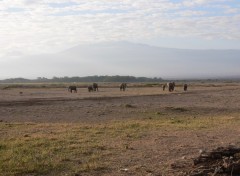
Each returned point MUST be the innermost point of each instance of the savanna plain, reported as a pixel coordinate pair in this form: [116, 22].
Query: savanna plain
[46, 130]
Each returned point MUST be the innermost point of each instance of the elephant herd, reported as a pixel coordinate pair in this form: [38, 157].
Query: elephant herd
[123, 86]
[91, 88]
[171, 86]
[94, 87]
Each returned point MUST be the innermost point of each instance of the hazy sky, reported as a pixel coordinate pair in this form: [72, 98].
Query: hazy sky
[43, 26]
[33, 27]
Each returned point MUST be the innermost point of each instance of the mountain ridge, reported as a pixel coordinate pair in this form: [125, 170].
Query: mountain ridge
[126, 58]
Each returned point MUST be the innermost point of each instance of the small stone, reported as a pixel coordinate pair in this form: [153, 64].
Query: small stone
[201, 151]
[124, 170]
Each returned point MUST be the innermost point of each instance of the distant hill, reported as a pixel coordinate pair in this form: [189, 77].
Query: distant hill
[83, 79]
[125, 58]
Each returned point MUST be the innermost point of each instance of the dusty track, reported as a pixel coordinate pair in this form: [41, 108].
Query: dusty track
[58, 105]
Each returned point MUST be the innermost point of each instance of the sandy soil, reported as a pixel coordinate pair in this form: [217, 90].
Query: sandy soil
[58, 105]
[150, 155]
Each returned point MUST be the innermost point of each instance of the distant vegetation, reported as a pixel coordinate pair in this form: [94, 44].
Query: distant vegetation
[117, 78]
[83, 79]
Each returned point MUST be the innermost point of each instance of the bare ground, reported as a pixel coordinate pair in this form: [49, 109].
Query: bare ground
[155, 154]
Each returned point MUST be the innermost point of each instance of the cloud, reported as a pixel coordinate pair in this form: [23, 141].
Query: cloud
[34, 26]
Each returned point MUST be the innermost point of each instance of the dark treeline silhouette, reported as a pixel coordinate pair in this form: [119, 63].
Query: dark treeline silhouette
[66, 79]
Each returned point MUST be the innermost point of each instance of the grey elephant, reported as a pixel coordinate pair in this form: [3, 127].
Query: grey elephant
[95, 87]
[185, 86]
[72, 88]
[164, 87]
[123, 86]
[171, 86]
[90, 88]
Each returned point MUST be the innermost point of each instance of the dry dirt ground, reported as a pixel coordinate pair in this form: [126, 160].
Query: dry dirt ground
[156, 154]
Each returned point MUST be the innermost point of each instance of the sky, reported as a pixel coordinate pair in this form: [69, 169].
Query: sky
[32, 27]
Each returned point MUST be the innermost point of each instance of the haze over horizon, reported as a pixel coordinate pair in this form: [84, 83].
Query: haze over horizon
[128, 59]
[36, 37]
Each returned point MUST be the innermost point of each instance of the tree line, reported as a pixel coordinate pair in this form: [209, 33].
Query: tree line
[67, 79]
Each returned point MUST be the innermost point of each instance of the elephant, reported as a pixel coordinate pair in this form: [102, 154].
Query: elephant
[90, 88]
[95, 87]
[72, 88]
[171, 86]
[164, 86]
[123, 86]
[185, 87]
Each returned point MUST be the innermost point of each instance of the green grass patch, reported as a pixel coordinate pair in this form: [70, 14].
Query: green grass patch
[59, 149]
